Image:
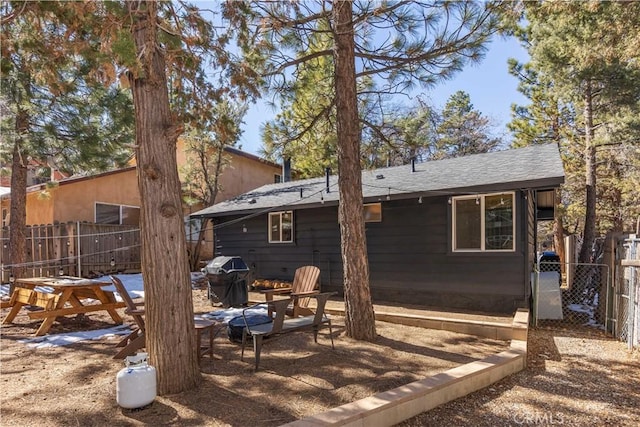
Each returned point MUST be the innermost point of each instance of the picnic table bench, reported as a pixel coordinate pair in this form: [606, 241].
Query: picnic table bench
[68, 297]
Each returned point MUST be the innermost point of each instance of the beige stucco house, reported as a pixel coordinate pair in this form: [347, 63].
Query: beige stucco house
[112, 197]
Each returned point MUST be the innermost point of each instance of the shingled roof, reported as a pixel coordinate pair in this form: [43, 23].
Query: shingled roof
[532, 167]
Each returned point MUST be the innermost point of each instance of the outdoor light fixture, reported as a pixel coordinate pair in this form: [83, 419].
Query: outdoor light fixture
[244, 228]
[11, 278]
[112, 262]
[321, 198]
[61, 272]
[420, 200]
[477, 200]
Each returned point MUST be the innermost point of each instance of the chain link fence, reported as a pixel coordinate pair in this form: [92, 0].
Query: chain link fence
[627, 286]
[603, 296]
[572, 294]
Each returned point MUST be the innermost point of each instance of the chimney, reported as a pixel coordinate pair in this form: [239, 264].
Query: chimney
[286, 170]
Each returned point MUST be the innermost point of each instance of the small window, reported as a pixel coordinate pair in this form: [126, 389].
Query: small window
[277, 178]
[373, 212]
[281, 227]
[117, 214]
[192, 228]
[484, 223]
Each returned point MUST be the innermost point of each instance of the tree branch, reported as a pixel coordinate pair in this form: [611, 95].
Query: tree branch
[283, 66]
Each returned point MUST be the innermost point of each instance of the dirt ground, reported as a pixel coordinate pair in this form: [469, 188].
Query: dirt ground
[75, 385]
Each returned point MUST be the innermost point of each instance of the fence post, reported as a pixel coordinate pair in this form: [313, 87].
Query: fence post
[633, 302]
[78, 251]
[536, 277]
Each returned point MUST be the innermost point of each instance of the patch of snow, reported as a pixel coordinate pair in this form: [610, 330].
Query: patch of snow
[132, 283]
[55, 340]
[580, 308]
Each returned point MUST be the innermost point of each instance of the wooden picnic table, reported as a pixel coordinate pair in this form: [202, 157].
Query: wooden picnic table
[69, 296]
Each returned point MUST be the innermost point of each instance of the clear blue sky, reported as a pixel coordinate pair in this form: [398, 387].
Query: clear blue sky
[491, 88]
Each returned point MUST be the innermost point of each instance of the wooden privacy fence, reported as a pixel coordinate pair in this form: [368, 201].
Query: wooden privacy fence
[77, 249]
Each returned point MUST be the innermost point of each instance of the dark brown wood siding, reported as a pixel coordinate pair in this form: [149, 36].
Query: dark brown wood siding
[410, 258]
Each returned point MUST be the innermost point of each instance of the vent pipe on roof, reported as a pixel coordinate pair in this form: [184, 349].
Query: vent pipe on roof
[413, 164]
[328, 173]
[286, 170]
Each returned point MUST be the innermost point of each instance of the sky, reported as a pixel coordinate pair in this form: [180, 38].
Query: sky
[491, 88]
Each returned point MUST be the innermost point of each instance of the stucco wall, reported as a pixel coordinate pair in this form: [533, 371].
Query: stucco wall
[40, 207]
[242, 174]
[76, 201]
[239, 175]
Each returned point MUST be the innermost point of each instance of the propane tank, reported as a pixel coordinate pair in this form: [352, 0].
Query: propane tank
[136, 383]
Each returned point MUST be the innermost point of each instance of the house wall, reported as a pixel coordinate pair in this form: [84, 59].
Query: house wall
[76, 202]
[239, 175]
[41, 210]
[243, 174]
[40, 207]
[410, 258]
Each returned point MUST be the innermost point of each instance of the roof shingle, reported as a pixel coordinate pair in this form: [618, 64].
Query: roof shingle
[535, 166]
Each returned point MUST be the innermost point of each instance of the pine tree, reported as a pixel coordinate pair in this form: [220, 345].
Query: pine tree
[56, 113]
[582, 51]
[463, 130]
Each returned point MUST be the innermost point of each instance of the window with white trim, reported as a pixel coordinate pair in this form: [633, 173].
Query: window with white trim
[281, 227]
[484, 223]
[117, 214]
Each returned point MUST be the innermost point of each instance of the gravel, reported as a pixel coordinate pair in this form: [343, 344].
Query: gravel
[575, 377]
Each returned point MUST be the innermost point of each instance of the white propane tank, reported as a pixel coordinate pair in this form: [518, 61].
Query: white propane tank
[136, 383]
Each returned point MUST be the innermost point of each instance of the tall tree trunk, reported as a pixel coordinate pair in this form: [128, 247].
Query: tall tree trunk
[170, 336]
[359, 315]
[617, 216]
[589, 233]
[18, 208]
